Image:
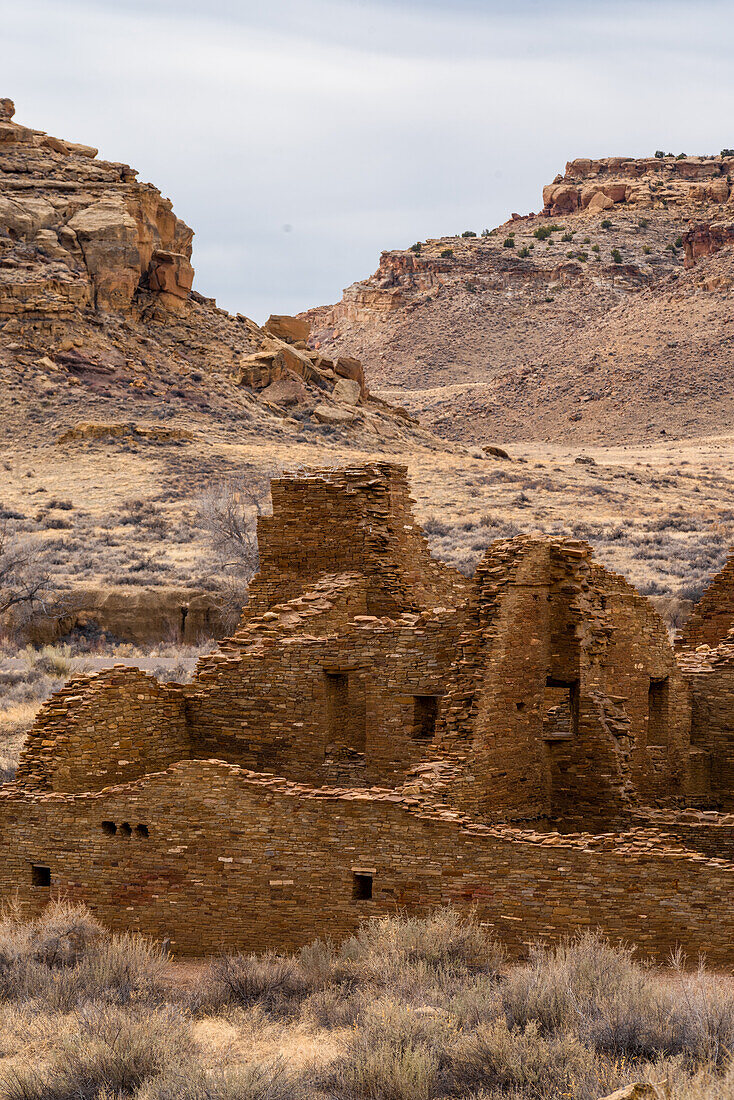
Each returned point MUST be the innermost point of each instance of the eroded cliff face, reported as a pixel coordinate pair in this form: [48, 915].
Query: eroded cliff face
[601, 318]
[97, 308]
[76, 230]
[649, 183]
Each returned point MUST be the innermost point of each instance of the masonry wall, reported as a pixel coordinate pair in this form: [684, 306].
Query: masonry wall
[358, 520]
[713, 616]
[108, 728]
[546, 628]
[323, 709]
[238, 862]
[711, 677]
[641, 675]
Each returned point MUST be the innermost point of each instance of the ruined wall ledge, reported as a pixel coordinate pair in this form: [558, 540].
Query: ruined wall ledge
[633, 844]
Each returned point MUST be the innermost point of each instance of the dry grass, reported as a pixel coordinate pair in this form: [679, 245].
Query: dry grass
[404, 1010]
[657, 512]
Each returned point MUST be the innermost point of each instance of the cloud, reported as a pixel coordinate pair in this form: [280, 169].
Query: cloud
[363, 125]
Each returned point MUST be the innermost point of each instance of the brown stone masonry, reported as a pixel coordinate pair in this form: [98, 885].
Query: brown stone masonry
[713, 615]
[220, 859]
[382, 733]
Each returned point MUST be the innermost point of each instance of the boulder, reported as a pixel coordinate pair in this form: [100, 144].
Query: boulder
[562, 199]
[617, 192]
[107, 234]
[7, 110]
[639, 1090]
[299, 362]
[351, 368]
[170, 273]
[332, 414]
[286, 391]
[290, 329]
[600, 202]
[81, 150]
[348, 391]
[56, 144]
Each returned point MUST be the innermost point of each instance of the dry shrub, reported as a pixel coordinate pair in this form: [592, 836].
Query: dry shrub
[109, 1052]
[535, 1065]
[60, 936]
[399, 1052]
[444, 944]
[611, 1002]
[65, 957]
[405, 955]
[268, 1080]
[275, 983]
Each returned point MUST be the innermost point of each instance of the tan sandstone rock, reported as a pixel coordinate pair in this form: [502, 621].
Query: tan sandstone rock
[108, 237]
[599, 202]
[331, 414]
[348, 391]
[290, 329]
[639, 1090]
[170, 273]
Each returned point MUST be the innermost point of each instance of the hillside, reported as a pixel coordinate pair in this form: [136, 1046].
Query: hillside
[126, 394]
[605, 318]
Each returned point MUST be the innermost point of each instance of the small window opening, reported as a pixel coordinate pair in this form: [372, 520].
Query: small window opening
[425, 713]
[142, 830]
[40, 876]
[109, 827]
[560, 709]
[362, 888]
[345, 710]
[126, 829]
[657, 712]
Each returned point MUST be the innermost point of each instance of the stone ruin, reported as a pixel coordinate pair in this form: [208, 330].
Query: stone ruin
[380, 732]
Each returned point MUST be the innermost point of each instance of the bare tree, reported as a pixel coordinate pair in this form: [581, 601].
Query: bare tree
[25, 582]
[228, 511]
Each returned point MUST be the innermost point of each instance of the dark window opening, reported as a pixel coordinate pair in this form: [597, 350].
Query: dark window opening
[560, 709]
[40, 876]
[657, 712]
[109, 827]
[142, 830]
[345, 711]
[362, 888]
[126, 829]
[425, 713]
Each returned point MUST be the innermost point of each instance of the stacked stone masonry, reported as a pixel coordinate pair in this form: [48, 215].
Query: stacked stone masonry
[525, 742]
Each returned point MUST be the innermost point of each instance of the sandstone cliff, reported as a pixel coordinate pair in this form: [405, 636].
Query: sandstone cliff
[97, 310]
[604, 318]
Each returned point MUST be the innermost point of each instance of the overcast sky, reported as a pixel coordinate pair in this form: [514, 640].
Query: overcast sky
[299, 138]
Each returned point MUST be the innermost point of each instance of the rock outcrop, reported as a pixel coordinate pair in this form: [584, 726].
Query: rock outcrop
[75, 230]
[543, 327]
[706, 238]
[96, 281]
[653, 182]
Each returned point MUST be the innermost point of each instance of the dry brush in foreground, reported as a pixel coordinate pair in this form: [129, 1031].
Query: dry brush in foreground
[404, 1010]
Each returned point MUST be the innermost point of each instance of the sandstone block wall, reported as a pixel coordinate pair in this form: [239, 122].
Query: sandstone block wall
[395, 729]
[334, 521]
[713, 616]
[546, 630]
[710, 673]
[104, 729]
[219, 859]
[325, 707]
